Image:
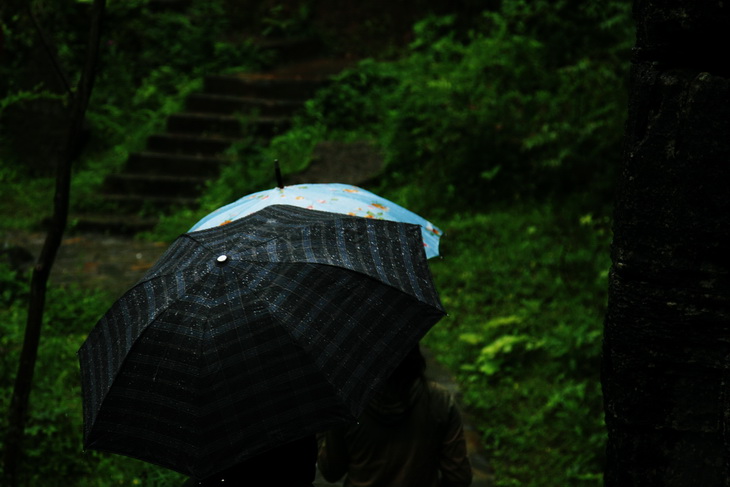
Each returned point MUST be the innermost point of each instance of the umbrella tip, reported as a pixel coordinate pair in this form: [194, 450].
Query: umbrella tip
[277, 170]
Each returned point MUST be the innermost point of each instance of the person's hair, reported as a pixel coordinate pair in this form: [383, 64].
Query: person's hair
[411, 369]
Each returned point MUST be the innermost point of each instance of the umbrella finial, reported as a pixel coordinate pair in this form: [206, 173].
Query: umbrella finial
[279, 180]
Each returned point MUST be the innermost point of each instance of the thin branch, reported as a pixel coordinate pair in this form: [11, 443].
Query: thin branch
[51, 53]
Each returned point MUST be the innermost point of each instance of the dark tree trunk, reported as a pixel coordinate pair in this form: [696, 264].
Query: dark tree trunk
[666, 376]
[24, 378]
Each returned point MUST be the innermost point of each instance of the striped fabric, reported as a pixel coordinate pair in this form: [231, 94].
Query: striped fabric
[246, 336]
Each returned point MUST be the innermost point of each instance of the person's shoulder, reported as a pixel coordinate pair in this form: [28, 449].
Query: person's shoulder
[437, 387]
[440, 395]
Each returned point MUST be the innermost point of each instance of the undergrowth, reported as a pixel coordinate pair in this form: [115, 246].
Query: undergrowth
[53, 434]
[525, 292]
[150, 60]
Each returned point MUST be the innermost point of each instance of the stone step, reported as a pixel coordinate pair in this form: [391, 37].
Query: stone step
[175, 165]
[165, 5]
[153, 185]
[128, 203]
[229, 105]
[262, 86]
[179, 164]
[192, 145]
[225, 125]
[287, 50]
[113, 223]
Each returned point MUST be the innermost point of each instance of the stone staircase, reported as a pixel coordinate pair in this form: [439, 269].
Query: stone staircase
[175, 165]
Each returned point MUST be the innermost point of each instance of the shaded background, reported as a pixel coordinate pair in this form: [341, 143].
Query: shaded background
[500, 122]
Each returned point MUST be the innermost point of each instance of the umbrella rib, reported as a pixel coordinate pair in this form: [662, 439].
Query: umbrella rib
[307, 313]
[132, 341]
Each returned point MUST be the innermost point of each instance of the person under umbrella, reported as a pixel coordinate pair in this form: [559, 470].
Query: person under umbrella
[411, 435]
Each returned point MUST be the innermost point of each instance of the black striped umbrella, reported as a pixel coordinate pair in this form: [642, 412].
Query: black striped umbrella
[246, 336]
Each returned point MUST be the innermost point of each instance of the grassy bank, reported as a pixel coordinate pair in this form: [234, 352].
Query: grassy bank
[525, 289]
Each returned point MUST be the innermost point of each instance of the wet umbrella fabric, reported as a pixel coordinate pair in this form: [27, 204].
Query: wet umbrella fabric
[246, 336]
[331, 197]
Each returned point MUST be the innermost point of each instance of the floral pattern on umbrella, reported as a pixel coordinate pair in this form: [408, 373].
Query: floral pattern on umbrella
[331, 197]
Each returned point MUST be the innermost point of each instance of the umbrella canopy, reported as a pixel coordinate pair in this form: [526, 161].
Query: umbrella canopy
[331, 197]
[245, 336]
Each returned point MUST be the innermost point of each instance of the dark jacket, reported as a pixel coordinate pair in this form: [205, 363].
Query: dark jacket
[290, 465]
[402, 440]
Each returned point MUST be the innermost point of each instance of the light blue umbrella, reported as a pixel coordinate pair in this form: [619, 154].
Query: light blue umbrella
[331, 197]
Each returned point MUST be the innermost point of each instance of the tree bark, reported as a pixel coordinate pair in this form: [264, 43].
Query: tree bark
[24, 378]
[666, 372]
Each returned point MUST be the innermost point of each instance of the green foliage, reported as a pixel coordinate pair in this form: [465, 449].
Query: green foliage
[492, 111]
[150, 61]
[53, 428]
[24, 202]
[524, 287]
[55, 455]
[22, 96]
[280, 21]
[352, 103]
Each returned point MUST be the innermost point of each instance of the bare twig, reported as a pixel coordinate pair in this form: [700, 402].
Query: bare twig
[50, 52]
